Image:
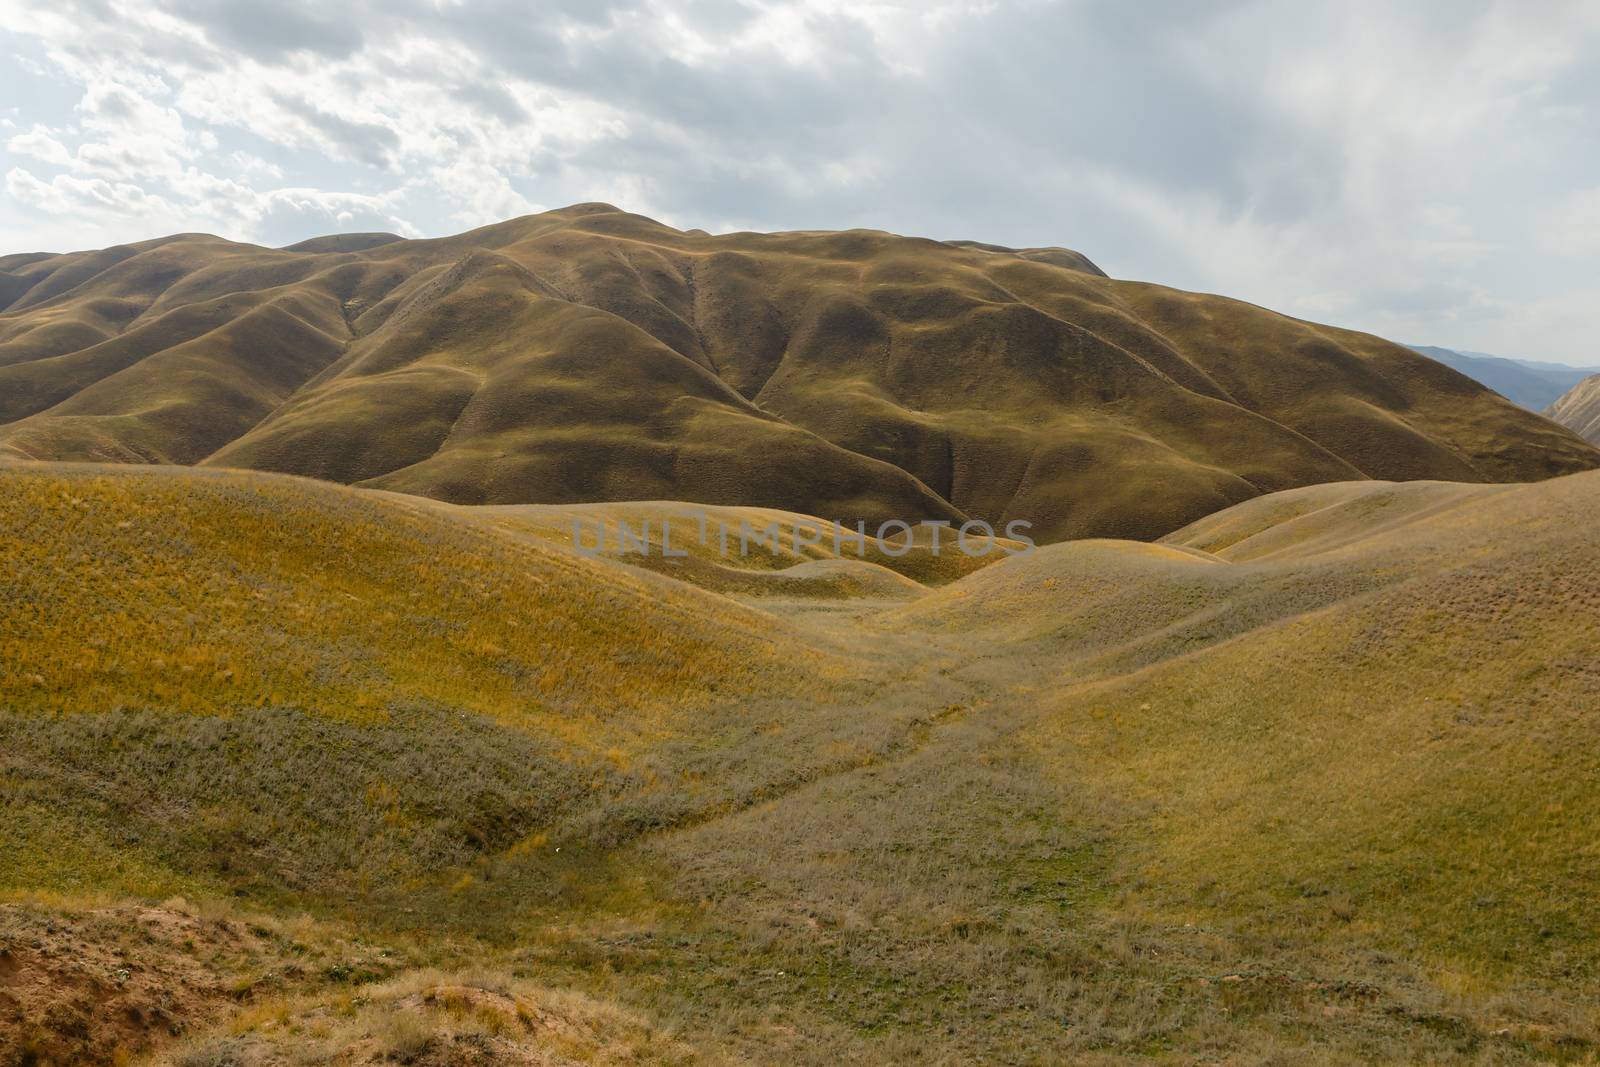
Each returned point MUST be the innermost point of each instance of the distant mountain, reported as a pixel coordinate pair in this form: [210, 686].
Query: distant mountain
[1579, 409]
[1532, 383]
[587, 355]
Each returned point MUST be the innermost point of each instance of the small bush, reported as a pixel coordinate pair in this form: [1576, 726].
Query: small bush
[405, 1037]
[225, 1053]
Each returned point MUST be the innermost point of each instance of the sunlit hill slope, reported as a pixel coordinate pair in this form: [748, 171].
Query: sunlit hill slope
[294, 772]
[588, 355]
[1579, 409]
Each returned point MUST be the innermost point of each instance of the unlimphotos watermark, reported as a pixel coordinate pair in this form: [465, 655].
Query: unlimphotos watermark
[894, 538]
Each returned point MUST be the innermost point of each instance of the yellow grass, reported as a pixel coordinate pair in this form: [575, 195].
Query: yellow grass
[1310, 781]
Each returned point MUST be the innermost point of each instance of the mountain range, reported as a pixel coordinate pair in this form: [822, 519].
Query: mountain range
[1534, 384]
[589, 355]
[1283, 753]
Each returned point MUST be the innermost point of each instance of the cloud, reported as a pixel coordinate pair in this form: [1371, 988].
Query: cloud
[68, 195]
[483, 193]
[372, 143]
[42, 145]
[1423, 166]
[273, 31]
[284, 216]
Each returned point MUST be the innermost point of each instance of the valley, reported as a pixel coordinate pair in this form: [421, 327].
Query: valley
[791, 533]
[304, 773]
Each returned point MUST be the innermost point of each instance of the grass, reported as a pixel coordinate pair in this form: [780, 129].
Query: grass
[419, 608]
[1306, 783]
[589, 356]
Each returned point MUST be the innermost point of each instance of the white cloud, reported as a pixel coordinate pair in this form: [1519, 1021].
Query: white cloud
[42, 145]
[250, 164]
[482, 191]
[1424, 168]
[68, 195]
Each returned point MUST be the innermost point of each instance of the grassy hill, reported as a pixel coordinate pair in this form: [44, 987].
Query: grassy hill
[304, 773]
[588, 355]
[1355, 708]
[1579, 409]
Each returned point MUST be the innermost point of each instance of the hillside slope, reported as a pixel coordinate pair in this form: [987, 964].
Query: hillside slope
[222, 613]
[307, 773]
[1579, 409]
[1353, 716]
[589, 355]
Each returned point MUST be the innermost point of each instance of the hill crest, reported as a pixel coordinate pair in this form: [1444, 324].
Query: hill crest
[588, 354]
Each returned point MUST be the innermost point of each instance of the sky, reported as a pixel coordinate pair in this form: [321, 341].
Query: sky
[1429, 171]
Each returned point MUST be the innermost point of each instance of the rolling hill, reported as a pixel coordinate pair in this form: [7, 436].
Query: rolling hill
[587, 355]
[295, 772]
[1579, 409]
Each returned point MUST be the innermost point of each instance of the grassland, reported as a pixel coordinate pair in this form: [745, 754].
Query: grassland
[588, 356]
[296, 773]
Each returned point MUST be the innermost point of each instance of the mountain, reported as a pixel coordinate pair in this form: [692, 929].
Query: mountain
[588, 355]
[1579, 409]
[1532, 384]
[293, 772]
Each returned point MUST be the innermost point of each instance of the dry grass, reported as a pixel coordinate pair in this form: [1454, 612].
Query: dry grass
[1309, 783]
[437, 1018]
[345, 693]
[289, 593]
[587, 355]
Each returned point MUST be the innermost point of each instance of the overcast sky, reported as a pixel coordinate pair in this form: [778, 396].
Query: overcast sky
[1428, 171]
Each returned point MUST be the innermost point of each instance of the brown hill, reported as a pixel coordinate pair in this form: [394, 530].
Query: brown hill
[1579, 409]
[589, 355]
